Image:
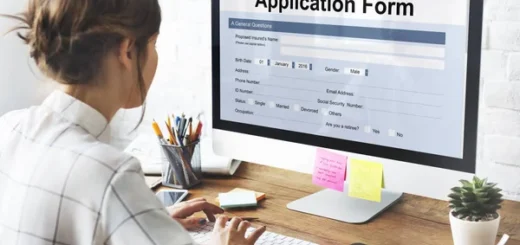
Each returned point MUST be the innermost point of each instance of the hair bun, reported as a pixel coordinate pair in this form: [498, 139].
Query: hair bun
[69, 39]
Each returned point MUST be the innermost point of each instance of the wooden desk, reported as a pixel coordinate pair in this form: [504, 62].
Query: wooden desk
[414, 220]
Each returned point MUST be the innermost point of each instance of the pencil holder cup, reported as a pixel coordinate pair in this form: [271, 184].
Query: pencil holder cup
[183, 168]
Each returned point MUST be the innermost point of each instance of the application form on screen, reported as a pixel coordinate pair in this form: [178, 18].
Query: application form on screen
[384, 73]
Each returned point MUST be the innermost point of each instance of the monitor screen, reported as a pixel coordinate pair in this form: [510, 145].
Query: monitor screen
[391, 79]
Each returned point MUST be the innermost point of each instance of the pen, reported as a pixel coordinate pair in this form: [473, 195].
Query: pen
[181, 139]
[181, 142]
[177, 121]
[158, 132]
[188, 127]
[181, 124]
[172, 126]
[182, 127]
[175, 133]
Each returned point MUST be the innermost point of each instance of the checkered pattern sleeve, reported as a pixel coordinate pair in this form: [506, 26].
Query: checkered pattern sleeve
[62, 183]
[131, 213]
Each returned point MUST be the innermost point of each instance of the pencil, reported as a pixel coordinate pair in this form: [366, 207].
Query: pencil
[158, 132]
[248, 218]
[189, 128]
[245, 218]
[171, 135]
[198, 131]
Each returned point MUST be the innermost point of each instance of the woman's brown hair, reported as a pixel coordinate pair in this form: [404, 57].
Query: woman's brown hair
[68, 39]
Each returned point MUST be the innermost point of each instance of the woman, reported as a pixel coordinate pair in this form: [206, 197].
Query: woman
[60, 182]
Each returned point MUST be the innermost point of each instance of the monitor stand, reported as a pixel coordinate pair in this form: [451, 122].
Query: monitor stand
[339, 206]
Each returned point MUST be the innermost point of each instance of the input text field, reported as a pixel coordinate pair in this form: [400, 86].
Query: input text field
[366, 45]
[381, 59]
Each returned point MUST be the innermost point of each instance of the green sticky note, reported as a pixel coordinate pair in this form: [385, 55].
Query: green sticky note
[365, 180]
[237, 199]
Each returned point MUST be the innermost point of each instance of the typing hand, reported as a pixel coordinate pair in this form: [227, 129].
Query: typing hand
[235, 232]
[182, 212]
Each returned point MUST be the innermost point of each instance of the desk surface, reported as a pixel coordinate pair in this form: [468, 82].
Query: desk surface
[414, 220]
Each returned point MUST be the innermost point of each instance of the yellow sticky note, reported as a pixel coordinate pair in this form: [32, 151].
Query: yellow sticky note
[383, 181]
[365, 180]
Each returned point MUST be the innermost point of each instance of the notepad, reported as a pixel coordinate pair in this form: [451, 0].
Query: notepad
[237, 199]
[365, 180]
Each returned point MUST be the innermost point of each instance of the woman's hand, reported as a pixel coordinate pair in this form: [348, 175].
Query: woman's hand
[182, 212]
[235, 233]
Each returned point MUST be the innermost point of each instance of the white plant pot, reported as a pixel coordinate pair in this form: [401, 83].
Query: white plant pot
[474, 233]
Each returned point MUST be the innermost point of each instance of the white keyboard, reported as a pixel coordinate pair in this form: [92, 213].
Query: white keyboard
[202, 236]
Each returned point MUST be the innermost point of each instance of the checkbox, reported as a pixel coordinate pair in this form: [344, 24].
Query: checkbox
[325, 112]
[392, 133]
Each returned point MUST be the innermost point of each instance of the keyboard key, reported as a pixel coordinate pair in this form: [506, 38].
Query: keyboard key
[203, 236]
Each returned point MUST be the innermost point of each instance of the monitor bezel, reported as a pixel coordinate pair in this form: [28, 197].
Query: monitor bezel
[468, 162]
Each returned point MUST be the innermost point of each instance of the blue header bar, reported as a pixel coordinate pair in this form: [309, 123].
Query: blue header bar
[426, 37]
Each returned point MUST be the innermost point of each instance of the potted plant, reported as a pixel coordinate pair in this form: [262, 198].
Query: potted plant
[474, 216]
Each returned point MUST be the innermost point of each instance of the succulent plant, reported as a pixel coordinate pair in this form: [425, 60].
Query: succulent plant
[475, 201]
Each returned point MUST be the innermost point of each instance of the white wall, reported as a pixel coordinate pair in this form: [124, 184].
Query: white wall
[184, 78]
[21, 85]
[499, 133]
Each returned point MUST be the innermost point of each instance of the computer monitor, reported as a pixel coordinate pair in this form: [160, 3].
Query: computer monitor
[392, 82]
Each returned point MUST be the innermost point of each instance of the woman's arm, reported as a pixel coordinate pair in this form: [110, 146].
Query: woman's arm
[131, 213]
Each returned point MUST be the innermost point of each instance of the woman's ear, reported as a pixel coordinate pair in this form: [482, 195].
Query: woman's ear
[126, 53]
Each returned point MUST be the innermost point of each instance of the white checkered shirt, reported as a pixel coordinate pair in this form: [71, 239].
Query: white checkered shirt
[60, 184]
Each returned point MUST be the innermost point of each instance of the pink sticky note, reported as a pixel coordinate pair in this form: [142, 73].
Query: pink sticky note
[330, 170]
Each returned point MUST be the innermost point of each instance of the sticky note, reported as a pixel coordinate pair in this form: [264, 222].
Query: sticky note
[237, 199]
[259, 195]
[365, 180]
[329, 170]
[383, 181]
